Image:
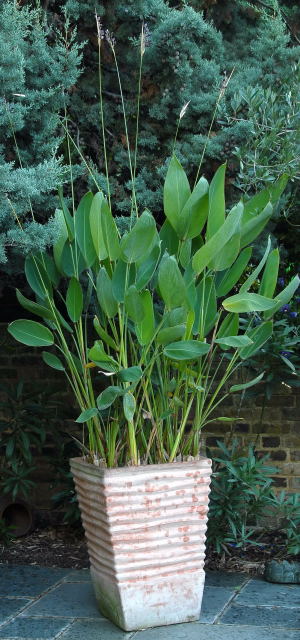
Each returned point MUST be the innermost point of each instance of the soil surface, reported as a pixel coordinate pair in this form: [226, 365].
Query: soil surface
[64, 546]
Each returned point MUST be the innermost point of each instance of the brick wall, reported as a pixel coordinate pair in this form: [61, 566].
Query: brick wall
[276, 430]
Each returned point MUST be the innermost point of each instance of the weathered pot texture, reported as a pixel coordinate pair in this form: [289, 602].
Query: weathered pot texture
[282, 571]
[145, 528]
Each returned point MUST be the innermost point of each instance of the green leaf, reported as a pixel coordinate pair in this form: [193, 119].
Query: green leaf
[146, 268]
[105, 295]
[247, 385]
[171, 283]
[228, 279]
[72, 260]
[109, 231]
[272, 193]
[62, 237]
[185, 253]
[176, 193]
[206, 307]
[169, 239]
[247, 302]
[129, 406]
[108, 396]
[86, 415]
[104, 335]
[83, 231]
[134, 304]
[74, 300]
[53, 361]
[50, 268]
[31, 333]
[96, 226]
[186, 350]
[226, 257]
[284, 296]
[37, 277]
[195, 211]
[234, 341]
[131, 374]
[270, 275]
[171, 334]
[216, 196]
[123, 276]
[229, 326]
[98, 355]
[255, 273]
[145, 329]
[140, 240]
[251, 228]
[33, 307]
[216, 243]
[69, 220]
[259, 335]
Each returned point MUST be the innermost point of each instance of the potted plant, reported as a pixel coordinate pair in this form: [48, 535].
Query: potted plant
[284, 566]
[168, 339]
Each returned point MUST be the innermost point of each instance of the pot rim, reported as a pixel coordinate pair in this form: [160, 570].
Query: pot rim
[81, 463]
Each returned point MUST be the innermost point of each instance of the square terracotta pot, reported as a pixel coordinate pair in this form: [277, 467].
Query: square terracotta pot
[145, 528]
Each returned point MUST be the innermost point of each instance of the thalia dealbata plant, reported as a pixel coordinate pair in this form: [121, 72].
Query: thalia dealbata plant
[166, 336]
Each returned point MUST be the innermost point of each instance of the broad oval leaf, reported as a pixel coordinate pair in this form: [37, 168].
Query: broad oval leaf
[247, 302]
[235, 341]
[205, 307]
[247, 385]
[108, 396]
[131, 374]
[145, 329]
[169, 239]
[229, 278]
[37, 277]
[217, 242]
[96, 226]
[195, 211]
[104, 335]
[251, 228]
[259, 335]
[105, 295]
[270, 275]
[216, 196]
[139, 241]
[72, 260]
[134, 304]
[255, 273]
[53, 361]
[186, 350]
[62, 237]
[176, 193]
[123, 277]
[74, 300]
[109, 231]
[33, 307]
[146, 269]
[31, 333]
[129, 405]
[87, 415]
[170, 334]
[83, 231]
[229, 326]
[171, 283]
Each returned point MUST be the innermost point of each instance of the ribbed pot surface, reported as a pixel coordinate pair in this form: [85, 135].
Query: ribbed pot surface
[145, 529]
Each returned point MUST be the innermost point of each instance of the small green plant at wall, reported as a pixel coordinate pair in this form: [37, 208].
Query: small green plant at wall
[166, 337]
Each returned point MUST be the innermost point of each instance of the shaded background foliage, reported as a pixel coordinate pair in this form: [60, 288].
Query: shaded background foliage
[192, 48]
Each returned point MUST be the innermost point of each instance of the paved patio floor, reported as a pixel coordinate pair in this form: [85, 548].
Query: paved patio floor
[38, 603]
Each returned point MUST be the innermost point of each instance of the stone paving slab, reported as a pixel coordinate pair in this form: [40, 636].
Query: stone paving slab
[62, 606]
[68, 600]
[263, 616]
[196, 631]
[224, 579]
[214, 601]
[92, 630]
[11, 606]
[267, 594]
[27, 581]
[33, 628]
